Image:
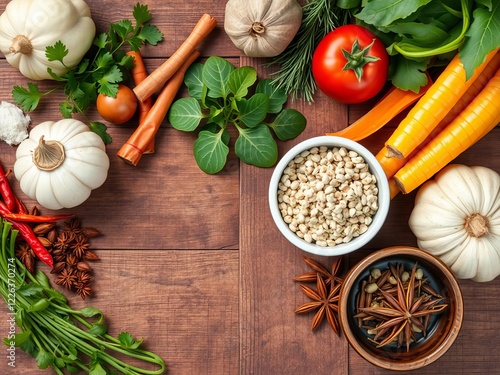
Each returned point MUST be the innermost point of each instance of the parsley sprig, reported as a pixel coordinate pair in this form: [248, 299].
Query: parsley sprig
[100, 71]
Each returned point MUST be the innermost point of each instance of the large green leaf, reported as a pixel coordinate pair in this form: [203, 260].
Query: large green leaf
[256, 146]
[210, 151]
[408, 74]
[240, 80]
[481, 38]
[215, 75]
[254, 110]
[277, 95]
[185, 114]
[288, 124]
[383, 13]
[426, 35]
[192, 80]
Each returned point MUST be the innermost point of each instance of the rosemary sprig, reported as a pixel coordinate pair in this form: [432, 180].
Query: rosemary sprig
[294, 75]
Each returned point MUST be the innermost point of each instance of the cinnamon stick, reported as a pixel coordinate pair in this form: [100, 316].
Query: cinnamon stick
[133, 149]
[162, 74]
[139, 74]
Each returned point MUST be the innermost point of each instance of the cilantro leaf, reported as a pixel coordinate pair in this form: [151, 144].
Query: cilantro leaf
[151, 34]
[127, 341]
[57, 52]
[29, 98]
[141, 14]
[100, 129]
[101, 40]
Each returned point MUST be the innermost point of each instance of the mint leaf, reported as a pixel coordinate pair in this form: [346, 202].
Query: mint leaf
[185, 114]
[256, 146]
[288, 124]
[27, 98]
[57, 52]
[210, 151]
[383, 13]
[215, 75]
[277, 95]
[481, 38]
[193, 82]
[240, 80]
[254, 110]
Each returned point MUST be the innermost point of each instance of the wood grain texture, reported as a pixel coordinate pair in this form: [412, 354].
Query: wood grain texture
[193, 263]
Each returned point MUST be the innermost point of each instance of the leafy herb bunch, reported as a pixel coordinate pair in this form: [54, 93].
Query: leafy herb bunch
[58, 336]
[100, 71]
[220, 96]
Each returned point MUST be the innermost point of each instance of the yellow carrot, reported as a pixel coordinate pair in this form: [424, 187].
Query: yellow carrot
[392, 165]
[432, 107]
[160, 75]
[393, 103]
[473, 123]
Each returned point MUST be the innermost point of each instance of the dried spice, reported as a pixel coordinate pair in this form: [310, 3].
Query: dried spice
[69, 246]
[325, 299]
[395, 305]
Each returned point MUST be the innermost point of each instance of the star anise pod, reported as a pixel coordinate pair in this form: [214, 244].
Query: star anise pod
[26, 255]
[80, 245]
[398, 315]
[66, 279]
[323, 301]
[63, 241]
[318, 268]
[73, 225]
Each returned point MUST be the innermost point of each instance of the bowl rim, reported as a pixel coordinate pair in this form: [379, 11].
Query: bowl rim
[375, 168]
[377, 255]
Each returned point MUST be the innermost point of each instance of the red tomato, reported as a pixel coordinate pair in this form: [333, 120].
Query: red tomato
[333, 68]
[119, 109]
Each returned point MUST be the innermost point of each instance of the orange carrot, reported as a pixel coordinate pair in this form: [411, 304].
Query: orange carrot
[393, 187]
[432, 107]
[394, 102]
[473, 123]
[133, 149]
[139, 74]
[160, 75]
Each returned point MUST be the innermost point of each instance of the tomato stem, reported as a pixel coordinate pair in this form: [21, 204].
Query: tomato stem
[358, 58]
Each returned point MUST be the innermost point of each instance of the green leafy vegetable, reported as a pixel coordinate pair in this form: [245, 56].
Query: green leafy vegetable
[58, 336]
[100, 71]
[221, 95]
[422, 33]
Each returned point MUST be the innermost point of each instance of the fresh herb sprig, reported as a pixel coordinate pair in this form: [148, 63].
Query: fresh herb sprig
[319, 17]
[219, 95]
[58, 336]
[100, 71]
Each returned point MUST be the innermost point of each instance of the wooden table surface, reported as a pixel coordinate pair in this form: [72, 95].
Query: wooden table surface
[193, 263]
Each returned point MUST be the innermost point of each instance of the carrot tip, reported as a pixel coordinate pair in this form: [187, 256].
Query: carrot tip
[393, 152]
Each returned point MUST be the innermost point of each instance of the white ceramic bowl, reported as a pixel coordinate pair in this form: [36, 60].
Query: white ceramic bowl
[378, 218]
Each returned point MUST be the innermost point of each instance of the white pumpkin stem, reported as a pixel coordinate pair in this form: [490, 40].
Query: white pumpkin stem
[476, 225]
[256, 29]
[21, 44]
[48, 155]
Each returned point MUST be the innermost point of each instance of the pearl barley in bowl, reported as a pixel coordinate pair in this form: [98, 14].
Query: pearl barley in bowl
[329, 195]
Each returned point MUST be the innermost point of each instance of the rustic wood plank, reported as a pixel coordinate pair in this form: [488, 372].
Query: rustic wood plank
[270, 330]
[183, 303]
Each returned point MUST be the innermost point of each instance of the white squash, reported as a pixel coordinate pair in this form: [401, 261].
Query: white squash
[27, 27]
[456, 217]
[262, 28]
[60, 163]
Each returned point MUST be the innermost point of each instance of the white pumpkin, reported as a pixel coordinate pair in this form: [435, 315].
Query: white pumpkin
[60, 163]
[456, 217]
[262, 28]
[27, 27]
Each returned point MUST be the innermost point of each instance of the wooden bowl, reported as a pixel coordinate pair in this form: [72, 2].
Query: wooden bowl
[443, 327]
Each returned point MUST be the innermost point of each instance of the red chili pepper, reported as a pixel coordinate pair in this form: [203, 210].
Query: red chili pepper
[27, 218]
[7, 194]
[32, 240]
